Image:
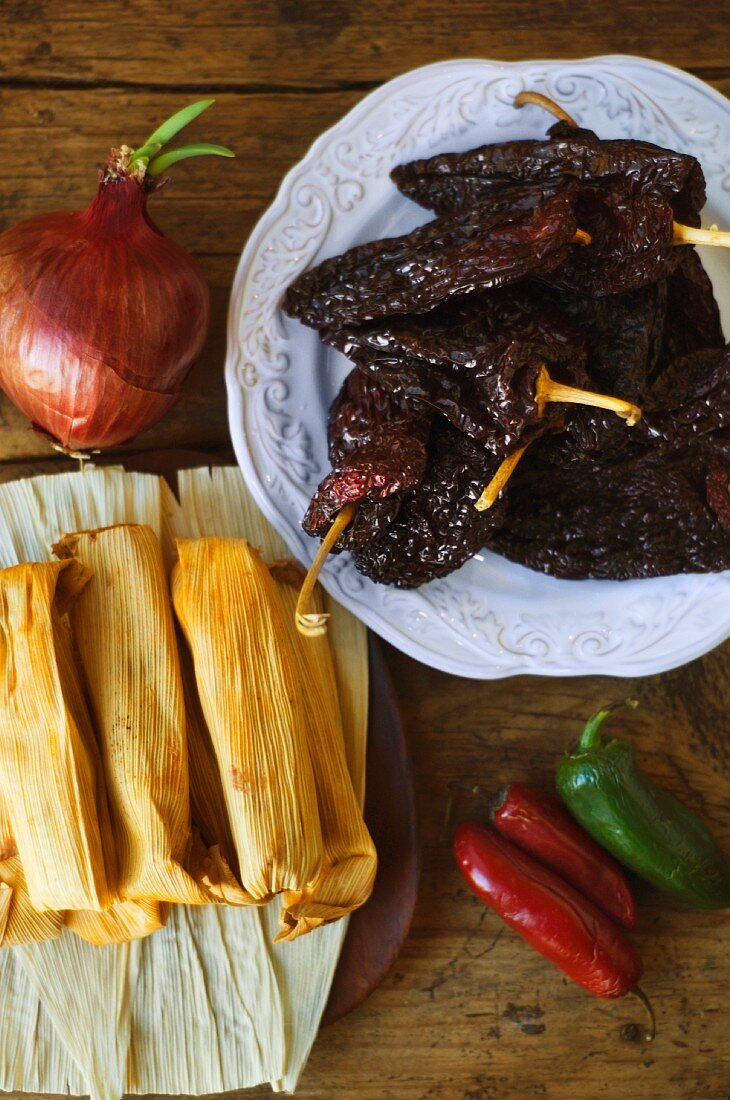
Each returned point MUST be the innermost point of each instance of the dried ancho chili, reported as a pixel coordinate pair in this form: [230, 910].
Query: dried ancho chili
[452, 256]
[377, 446]
[555, 272]
[437, 527]
[478, 371]
[455, 181]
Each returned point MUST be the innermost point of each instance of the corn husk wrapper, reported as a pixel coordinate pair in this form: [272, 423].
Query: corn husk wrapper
[217, 501]
[227, 606]
[208, 1004]
[20, 922]
[213, 861]
[49, 764]
[124, 633]
[349, 863]
[123, 921]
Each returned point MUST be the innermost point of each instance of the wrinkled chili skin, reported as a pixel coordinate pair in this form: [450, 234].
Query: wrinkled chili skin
[475, 362]
[718, 492]
[549, 913]
[646, 516]
[646, 828]
[453, 181]
[688, 401]
[448, 257]
[492, 401]
[377, 445]
[540, 825]
[623, 338]
[437, 528]
[631, 241]
[693, 315]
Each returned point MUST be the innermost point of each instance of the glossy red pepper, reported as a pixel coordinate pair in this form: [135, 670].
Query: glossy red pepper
[548, 912]
[540, 825]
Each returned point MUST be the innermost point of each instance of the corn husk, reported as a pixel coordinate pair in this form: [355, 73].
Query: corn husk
[213, 861]
[349, 859]
[208, 1004]
[122, 922]
[226, 603]
[124, 633]
[49, 764]
[217, 501]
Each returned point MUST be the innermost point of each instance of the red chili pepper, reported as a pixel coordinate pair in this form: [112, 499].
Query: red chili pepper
[547, 912]
[542, 826]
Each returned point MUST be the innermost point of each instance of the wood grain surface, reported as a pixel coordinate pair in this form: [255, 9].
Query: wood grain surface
[467, 1011]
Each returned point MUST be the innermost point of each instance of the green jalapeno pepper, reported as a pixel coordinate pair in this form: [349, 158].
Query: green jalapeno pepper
[644, 827]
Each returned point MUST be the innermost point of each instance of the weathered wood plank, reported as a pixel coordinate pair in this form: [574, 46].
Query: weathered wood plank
[325, 43]
[469, 1010]
[51, 143]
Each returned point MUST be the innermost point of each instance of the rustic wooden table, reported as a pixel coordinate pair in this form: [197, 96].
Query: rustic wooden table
[468, 1011]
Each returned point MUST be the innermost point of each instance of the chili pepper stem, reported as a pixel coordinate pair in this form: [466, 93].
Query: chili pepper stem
[315, 624]
[550, 390]
[687, 234]
[540, 100]
[650, 1033]
[547, 390]
[591, 736]
[500, 479]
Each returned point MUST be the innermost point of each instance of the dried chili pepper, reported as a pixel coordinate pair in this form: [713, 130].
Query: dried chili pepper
[689, 400]
[718, 492]
[632, 240]
[693, 315]
[437, 528]
[623, 339]
[646, 515]
[455, 181]
[549, 913]
[646, 828]
[451, 256]
[471, 365]
[542, 827]
[377, 444]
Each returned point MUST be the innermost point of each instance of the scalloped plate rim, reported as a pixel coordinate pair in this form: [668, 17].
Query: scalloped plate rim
[513, 665]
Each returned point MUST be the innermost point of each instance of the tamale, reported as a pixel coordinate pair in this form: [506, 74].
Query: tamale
[245, 671]
[122, 922]
[65, 1028]
[213, 862]
[123, 629]
[20, 922]
[346, 879]
[49, 766]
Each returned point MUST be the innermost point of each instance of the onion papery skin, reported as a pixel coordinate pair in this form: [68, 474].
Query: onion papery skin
[101, 318]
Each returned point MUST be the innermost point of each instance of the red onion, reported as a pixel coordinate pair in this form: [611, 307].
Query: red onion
[102, 315]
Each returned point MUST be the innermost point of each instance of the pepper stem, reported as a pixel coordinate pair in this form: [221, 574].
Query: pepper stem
[314, 624]
[650, 1033]
[540, 100]
[686, 234]
[549, 390]
[504, 472]
[591, 735]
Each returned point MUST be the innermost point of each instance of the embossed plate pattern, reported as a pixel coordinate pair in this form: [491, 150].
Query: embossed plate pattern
[491, 618]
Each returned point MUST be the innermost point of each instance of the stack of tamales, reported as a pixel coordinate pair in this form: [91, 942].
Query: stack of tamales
[197, 774]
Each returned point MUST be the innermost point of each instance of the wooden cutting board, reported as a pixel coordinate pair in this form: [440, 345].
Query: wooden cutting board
[377, 931]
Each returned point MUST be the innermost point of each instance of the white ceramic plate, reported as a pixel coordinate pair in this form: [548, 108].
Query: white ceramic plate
[491, 618]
